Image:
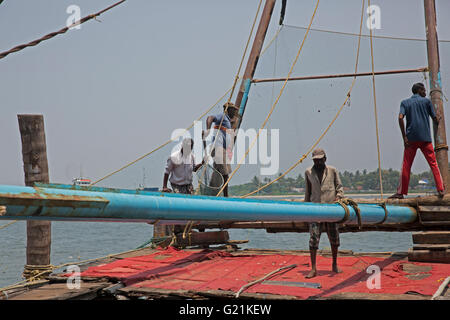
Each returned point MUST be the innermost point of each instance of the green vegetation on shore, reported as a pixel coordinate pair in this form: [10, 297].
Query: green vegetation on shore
[359, 181]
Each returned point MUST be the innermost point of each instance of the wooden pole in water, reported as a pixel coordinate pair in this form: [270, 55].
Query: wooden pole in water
[35, 166]
[436, 94]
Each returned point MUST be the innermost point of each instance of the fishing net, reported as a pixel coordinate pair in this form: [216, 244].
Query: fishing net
[304, 111]
[209, 180]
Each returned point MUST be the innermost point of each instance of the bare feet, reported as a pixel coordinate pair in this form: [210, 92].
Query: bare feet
[336, 269]
[312, 274]
[441, 193]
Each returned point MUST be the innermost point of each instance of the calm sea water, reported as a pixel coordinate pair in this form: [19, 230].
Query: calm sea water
[76, 241]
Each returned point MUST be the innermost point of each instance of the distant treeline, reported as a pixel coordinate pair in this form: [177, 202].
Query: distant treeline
[359, 181]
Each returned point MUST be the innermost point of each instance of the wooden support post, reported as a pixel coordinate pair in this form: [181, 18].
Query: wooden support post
[162, 231]
[436, 95]
[426, 246]
[35, 166]
[254, 57]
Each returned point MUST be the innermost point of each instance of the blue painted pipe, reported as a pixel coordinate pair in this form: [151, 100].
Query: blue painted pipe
[59, 202]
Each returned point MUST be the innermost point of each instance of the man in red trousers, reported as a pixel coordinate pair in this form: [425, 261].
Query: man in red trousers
[417, 110]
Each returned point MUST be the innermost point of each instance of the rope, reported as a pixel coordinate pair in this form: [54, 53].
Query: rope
[188, 128]
[440, 146]
[347, 211]
[345, 202]
[248, 285]
[164, 144]
[32, 281]
[363, 35]
[187, 229]
[275, 103]
[37, 272]
[357, 211]
[245, 51]
[54, 34]
[331, 123]
[383, 205]
[375, 111]
[8, 224]
[232, 91]
[272, 40]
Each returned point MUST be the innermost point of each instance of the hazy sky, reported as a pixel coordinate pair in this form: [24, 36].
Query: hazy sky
[114, 90]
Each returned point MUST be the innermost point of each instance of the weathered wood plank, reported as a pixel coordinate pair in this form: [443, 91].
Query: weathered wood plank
[431, 247]
[435, 209]
[439, 224]
[422, 201]
[431, 237]
[60, 291]
[167, 293]
[203, 238]
[437, 256]
[159, 293]
[435, 216]
[434, 213]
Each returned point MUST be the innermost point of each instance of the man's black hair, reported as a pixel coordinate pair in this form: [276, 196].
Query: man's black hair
[416, 87]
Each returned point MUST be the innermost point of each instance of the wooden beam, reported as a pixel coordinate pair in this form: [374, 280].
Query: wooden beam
[342, 75]
[434, 256]
[434, 213]
[434, 237]
[202, 238]
[431, 246]
[253, 58]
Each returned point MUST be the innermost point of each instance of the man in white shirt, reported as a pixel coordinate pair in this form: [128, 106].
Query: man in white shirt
[179, 168]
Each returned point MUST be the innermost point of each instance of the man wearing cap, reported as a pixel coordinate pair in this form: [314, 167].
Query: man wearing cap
[322, 185]
[222, 151]
[417, 110]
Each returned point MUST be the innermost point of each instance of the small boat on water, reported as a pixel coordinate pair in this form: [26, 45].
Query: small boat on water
[83, 182]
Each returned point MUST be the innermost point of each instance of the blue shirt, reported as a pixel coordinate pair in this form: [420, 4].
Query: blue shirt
[417, 111]
[223, 138]
[226, 123]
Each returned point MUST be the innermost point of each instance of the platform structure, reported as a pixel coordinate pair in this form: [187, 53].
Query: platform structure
[222, 272]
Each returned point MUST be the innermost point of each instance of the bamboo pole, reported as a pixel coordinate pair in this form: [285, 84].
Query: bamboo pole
[343, 75]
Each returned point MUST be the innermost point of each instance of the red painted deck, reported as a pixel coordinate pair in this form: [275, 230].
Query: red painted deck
[203, 270]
